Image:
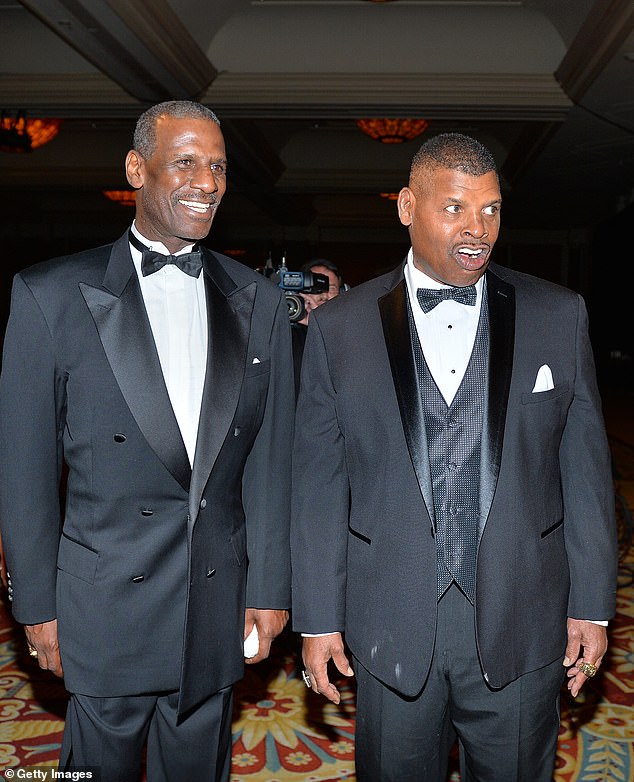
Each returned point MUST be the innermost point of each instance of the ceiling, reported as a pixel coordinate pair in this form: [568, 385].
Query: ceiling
[548, 85]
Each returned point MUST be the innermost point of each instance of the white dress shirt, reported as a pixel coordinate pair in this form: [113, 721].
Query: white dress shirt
[447, 333]
[177, 310]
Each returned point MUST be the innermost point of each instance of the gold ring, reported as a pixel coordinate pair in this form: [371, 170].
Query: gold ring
[587, 669]
[32, 651]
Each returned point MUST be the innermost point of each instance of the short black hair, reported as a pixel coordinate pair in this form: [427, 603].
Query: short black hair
[144, 141]
[455, 151]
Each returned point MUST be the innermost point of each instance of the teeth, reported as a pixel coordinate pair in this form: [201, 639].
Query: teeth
[196, 205]
[469, 251]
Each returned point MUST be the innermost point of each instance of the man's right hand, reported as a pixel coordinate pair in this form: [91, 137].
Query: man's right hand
[43, 638]
[316, 652]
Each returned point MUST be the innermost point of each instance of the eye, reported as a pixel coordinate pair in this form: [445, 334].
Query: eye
[453, 209]
[491, 210]
[219, 168]
[184, 162]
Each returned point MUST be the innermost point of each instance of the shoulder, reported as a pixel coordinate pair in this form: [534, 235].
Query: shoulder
[534, 288]
[362, 298]
[65, 270]
[229, 272]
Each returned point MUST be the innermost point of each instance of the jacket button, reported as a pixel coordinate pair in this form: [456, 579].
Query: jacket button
[147, 512]
[138, 579]
[203, 504]
[120, 438]
[236, 431]
[211, 572]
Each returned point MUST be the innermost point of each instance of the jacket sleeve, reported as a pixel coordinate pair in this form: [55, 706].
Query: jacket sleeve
[267, 480]
[588, 494]
[319, 528]
[32, 402]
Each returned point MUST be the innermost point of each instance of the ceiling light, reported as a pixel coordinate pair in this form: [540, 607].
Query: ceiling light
[20, 134]
[392, 131]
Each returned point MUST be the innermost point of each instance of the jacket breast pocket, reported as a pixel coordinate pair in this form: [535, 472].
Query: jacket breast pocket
[545, 396]
[259, 368]
[77, 560]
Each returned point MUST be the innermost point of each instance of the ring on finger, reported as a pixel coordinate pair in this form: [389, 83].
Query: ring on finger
[587, 669]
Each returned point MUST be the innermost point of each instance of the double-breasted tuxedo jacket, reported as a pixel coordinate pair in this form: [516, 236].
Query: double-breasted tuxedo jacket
[150, 563]
[363, 550]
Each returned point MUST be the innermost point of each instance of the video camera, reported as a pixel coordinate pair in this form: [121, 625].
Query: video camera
[294, 284]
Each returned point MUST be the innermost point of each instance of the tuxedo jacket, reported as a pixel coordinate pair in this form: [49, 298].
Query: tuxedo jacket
[149, 565]
[363, 551]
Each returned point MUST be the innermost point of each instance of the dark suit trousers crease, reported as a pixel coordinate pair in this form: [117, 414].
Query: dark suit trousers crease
[506, 735]
[109, 734]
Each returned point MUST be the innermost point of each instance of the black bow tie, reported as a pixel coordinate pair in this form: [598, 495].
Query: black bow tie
[428, 297]
[151, 261]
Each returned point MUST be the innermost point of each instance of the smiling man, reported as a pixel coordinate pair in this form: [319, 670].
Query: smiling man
[158, 376]
[465, 547]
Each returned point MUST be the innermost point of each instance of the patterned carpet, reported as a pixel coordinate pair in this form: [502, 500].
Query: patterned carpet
[282, 733]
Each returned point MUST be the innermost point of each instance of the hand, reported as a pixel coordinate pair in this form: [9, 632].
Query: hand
[317, 651]
[43, 638]
[594, 640]
[270, 623]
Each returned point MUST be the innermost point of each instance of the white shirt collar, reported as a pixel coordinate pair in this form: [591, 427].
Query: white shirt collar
[415, 278]
[158, 247]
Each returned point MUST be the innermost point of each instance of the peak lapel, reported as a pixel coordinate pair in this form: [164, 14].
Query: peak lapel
[126, 336]
[501, 303]
[394, 316]
[229, 315]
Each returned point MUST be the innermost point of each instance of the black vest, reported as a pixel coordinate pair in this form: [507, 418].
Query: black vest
[454, 438]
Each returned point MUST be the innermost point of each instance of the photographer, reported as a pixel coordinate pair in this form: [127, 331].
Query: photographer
[312, 301]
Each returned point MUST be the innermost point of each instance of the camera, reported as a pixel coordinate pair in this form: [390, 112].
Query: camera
[294, 284]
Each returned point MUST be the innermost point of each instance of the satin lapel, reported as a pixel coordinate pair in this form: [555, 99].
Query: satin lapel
[501, 303]
[229, 313]
[394, 316]
[126, 336]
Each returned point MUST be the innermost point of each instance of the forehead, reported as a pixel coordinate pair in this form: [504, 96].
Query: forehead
[454, 184]
[178, 132]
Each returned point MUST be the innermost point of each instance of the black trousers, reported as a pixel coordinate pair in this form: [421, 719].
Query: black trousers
[109, 734]
[506, 735]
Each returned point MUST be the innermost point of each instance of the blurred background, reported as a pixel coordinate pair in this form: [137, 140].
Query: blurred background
[323, 104]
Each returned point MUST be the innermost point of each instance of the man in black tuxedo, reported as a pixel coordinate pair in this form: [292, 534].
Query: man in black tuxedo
[465, 546]
[161, 376]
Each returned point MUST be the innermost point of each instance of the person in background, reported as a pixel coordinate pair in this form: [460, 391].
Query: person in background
[311, 302]
[160, 373]
[335, 286]
[453, 513]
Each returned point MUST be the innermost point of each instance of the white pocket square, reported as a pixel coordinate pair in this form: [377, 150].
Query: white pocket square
[256, 360]
[544, 379]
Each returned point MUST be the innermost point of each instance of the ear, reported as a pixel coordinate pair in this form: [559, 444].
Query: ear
[134, 169]
[406, 201]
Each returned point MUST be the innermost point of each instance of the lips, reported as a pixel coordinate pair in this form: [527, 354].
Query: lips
[472, 256]
[200, 207]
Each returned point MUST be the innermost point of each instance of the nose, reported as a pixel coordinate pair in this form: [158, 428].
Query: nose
[475, 225]
[204, 179]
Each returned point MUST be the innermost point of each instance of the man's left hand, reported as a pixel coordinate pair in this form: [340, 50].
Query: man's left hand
[270, 623]
[587, 643]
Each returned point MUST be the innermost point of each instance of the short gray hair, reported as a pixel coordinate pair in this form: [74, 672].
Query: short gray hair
[144, 141]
